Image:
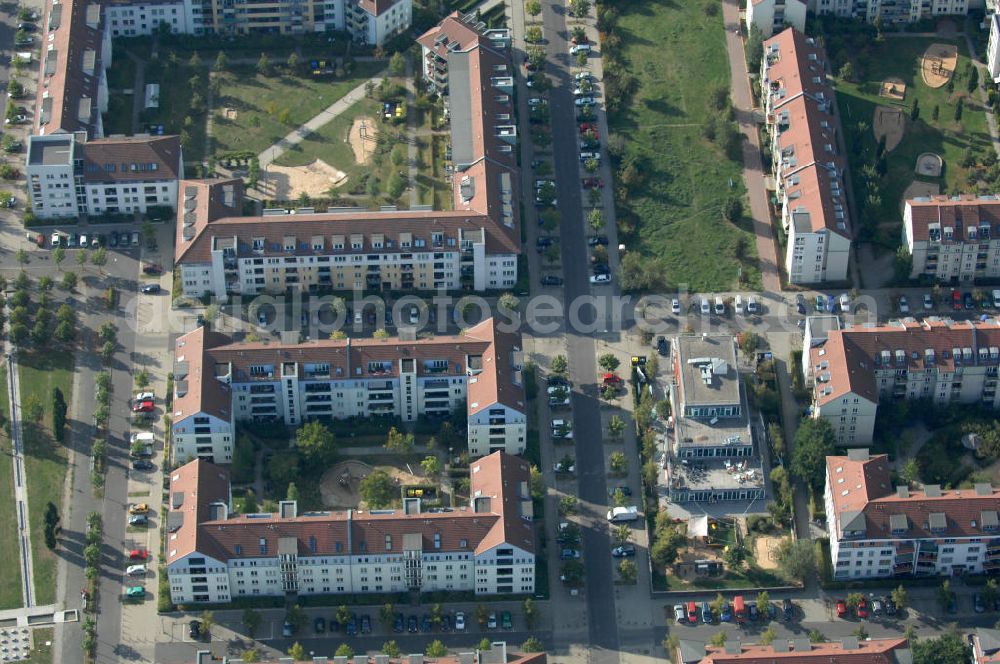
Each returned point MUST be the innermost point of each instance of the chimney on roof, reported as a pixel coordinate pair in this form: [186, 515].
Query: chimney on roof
[218, 512]
[902, 492]
[411, 506]
[849, 643]
[858, 454]
[288, 509]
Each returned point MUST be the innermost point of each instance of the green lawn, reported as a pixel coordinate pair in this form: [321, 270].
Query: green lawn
[945, 136]
[259, 103]
[45, 459]
[330, 143]
[677, 53]
[41, 653]
[10, 576]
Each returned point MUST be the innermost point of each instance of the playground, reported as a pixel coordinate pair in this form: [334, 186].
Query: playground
[937, 66]
[340, 484]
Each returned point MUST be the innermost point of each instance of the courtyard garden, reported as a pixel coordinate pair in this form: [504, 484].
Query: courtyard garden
[676, 151]
[894, 108]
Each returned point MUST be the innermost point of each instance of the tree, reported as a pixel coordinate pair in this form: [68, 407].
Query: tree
[763, 603]
[401, 443]
[533, 7]
[297, 652]
[853, 600]
[532, 645]
[509, 302]
[221, 62]
[768, 636]
[107, 351]
[343, 614]
[559, 365]
[485, 644]
[292, 493]
[264, 65]
[142, 379]
[207, 622]
[58, 413]
[732, 209]
[21, 256]
[945, 594]
[391, 648]
[949, 648]
[846, 72]
[973, 80]
[814, 441]
[667, 545]
[797, 558]
[99, 257]
[58, 255]
[378, 489]
[622, 534]
[68, 281]
[251, 621]
[608, 362]
[754, 47]
[991, 592]
[580, 8]
[437, 649]
[915, 111]
[958, 110]
[530, 612]
[618, 462]
[627, 571]
[911, 471]
[816, 636]
[432, 467]
[316, 443]
[381, 333]
[40, 333]
[616, 426]
[718, 640]
[899, 596]
[32, 408]
[344, 650]
[293, 60]
[568, 505]
[397, 64]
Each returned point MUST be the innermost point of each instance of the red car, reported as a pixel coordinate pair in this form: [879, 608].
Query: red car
[587, 126]
[862, 609]
[841, 608]
[147, 406]
[591, 183]
[138, 554]
[956, 300]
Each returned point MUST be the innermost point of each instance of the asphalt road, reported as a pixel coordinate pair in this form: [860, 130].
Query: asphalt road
[581, 348]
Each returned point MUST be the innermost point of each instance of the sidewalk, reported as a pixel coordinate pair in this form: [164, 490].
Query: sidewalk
[323, 117]
[20, 484]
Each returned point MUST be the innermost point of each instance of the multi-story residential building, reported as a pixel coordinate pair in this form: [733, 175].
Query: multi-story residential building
[878, 531]
[474, 246]
[894, 11]
[848, 650]
[214, 556]
[455, 43]
[953, 238]
[497, 654]
[936, 359]
[218, 383]
[993, 47]
[126, 18]
[713, 456]
[69, 175]
[805, 158]
[770, 16]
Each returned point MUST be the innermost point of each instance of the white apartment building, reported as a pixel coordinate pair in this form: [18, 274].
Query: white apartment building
[218, 383]
[770, 16]
[894, 11]
[69, 175]
[937, 359]
[953, 239]
[214, 556]
[993, 47]
[136, 19]
[808, 168]
[713, 457]
[876, 531]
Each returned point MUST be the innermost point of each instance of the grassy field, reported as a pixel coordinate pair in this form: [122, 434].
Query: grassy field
[10, 576]
[945, 136]
[269, 107]
[41, 653]
[45, 459]
[676, 52]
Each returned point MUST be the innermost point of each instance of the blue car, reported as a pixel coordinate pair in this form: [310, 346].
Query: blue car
[820, 303]
[726, 614]
[706, 613]
[352, 625]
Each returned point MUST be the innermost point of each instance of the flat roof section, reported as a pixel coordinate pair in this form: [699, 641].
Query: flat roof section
[50, 152]
[460, 109]
[708, 370]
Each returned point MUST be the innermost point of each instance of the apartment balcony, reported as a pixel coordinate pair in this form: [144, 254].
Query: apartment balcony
[436, 384]
[381, 408]
[902, 568]
[379, 386]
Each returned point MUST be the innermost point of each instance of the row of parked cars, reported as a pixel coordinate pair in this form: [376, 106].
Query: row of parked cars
[868, 607]
[738, 611]
[82, 240]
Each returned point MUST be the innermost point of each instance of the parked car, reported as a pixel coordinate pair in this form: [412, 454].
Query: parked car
[597, 241]
[151, 289]
[366, 624]
[661, 346]
[287, 629]
[142, 464]
[113, 241]
[706, 309]
[787, 608]
[319, 625]
[551, 280]
[679, 615]
[928, 302]
[862, 608]
[977, 603]
[194, 630]
[626, 551]
[579, 48]
[752, 610]
[845, 303]
[135, 238]
[675, 306]
[459, 621]
[890, 606]
[398, 623]
[138, 554]
[138, 508]
[569, 554]
[138, 520]
[135, 592]
[841, 608]
[491, 621]
[411, 624]
[967, 301]
[725, 612]
[956, 300]
[136, 570]
[584, 101]
[425, 623]
[144, 406]
[505, 620]
[904, 305]
[351, 628]
[600, 279]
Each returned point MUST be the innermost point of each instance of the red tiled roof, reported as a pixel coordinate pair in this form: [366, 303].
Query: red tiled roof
[853, 355]
[376, 7]
[866, 488]
[873, 651]
[954, 212]
[503, 479]
[132, 157]
[497, 382]
[196, 389]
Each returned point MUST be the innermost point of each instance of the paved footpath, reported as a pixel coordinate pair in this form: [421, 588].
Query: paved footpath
[20, 485]
[753, 168]
[319, 120]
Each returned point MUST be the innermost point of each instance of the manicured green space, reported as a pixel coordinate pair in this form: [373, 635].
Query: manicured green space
[876, 61]
[41, 653]
[10, 574]
[672, 213]
[45, 459]
[268, 108]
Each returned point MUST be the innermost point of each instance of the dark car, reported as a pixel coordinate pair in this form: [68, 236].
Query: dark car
[352, 625]
[425, 623]
[890, 606]
[624, 489]
[787, 608]
[967, 301]
[194, 629]
[319, 625]
[626, 551]
[397, 623]
[114, 239]
[411, 624]
[366, 624]
[661, 346]
[953, 604]
[151, 289]
[752, 609]
[543, 242]
[551, 280]
[142, 465]
[598, 240]
[446, 623]
[977, 603]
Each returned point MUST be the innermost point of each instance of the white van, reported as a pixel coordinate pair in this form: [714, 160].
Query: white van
[996, 299]
[622, 514]
[705, 309]
[738, 305]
